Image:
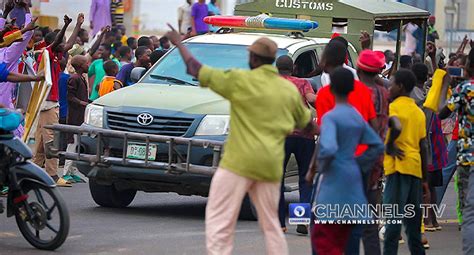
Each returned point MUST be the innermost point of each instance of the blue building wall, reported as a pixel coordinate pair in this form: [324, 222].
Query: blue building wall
[428, 5]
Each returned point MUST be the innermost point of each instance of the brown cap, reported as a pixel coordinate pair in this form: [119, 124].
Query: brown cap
[264, 47]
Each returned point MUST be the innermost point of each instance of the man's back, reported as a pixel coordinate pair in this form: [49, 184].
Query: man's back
[265, 108]
[360, 98]
[413, 122]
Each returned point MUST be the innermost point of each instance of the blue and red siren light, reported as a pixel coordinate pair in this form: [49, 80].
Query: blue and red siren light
[261, 22]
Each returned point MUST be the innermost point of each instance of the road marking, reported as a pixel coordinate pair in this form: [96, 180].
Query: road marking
[7, 234]
[449, 221]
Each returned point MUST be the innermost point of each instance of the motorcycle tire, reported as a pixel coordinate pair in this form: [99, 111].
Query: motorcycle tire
[64, 223]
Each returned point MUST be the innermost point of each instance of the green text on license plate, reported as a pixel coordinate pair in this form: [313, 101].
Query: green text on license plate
[138, 151]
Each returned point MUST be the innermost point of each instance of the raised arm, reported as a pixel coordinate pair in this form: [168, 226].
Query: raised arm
[60, 36]
[444, 110]
[98, 40]
[72, 40]
[192, 65]
[14, 52]
[462, 47]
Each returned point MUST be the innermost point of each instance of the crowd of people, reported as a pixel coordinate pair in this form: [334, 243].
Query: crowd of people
[383, 136]
[419, 115]
[85, 66]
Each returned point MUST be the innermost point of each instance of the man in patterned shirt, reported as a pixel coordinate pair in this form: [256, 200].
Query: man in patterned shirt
[460, 102]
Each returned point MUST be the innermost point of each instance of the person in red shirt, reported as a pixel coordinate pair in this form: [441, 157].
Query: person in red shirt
[49, 114]
[299, 143]
[334, 56]
[360, 97]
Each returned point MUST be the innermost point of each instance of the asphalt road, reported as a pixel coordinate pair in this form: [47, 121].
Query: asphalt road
[171, 224]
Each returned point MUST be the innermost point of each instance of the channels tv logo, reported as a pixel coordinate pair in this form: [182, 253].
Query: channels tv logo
[300, 213]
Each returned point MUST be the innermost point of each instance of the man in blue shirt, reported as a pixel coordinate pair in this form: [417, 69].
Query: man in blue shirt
[63, 78]
[143, 60]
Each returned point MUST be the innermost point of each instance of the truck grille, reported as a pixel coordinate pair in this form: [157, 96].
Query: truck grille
[161, 125]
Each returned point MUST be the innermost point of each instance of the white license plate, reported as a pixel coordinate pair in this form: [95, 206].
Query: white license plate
[138, 151]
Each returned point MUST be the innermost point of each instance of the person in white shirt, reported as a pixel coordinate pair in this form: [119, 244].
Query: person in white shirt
[184, 17]
[410, 40]
[325, 78]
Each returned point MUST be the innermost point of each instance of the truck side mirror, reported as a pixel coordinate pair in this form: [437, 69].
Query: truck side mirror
[137, 74]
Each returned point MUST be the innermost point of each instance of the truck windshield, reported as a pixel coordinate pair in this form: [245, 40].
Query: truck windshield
[171, 68]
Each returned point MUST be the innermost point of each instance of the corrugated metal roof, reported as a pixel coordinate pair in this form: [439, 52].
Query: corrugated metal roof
[381, 8]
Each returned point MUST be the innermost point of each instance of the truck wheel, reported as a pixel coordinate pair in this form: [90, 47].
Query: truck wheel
[109, 196]
[248, 211]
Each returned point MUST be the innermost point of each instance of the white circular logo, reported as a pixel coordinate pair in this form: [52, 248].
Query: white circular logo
[299, 211]
[145, 119]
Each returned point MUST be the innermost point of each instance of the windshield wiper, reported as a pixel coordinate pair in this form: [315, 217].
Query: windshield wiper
[172, 79]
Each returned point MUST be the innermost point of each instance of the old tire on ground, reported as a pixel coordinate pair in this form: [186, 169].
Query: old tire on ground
[109, 196]
[248, 211]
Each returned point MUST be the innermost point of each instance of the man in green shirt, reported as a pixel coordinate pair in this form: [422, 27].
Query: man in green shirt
[96, 69]
[265, 108]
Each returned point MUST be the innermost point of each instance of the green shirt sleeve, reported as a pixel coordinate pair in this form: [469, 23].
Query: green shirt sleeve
[118, 63]
[91, 71]
[223, 82]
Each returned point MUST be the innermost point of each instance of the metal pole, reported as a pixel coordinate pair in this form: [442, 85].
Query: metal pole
[398, 49]
[425, 35]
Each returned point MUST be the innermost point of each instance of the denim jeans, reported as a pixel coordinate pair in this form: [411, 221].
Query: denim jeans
[401, 190]
[448, 171]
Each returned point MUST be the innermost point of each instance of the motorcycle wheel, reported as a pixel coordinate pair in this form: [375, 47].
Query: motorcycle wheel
[49, 227]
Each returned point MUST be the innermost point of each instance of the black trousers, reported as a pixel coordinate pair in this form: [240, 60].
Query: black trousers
[303, 149]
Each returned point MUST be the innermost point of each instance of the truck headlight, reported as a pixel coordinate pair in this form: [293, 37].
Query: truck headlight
[94, 116]
[214, 125]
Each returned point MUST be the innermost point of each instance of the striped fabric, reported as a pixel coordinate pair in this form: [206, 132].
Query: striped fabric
[438, 146]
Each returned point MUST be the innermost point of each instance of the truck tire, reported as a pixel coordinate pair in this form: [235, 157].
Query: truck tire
[109, 196]
[248, 211]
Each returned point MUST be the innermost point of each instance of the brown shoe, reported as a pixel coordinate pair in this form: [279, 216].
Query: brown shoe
[63, 183]
[284, 229]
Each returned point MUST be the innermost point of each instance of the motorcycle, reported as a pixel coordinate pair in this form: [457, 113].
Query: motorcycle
[40, 212]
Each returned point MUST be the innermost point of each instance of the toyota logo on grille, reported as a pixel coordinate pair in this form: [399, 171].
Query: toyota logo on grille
[145, 119]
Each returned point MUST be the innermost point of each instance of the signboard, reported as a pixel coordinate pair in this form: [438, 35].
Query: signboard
[304, 5]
